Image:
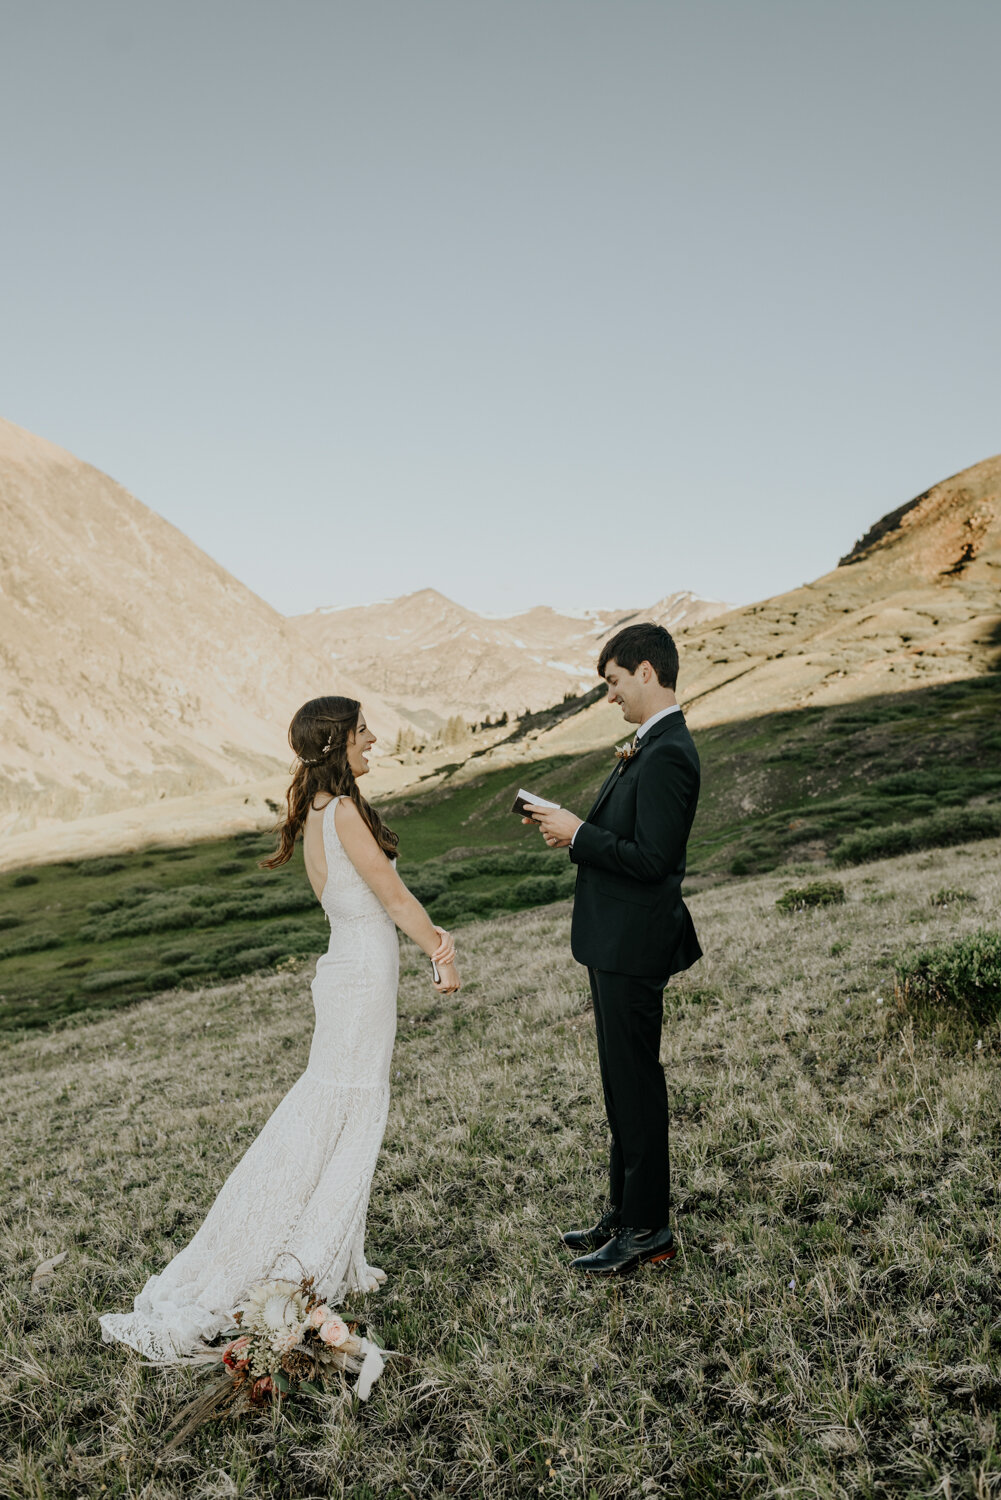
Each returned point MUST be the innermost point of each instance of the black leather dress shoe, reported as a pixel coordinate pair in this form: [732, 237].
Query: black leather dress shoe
[629, 1249]
[593, 1239]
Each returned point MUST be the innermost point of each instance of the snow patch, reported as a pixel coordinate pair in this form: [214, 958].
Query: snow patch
[565, 666]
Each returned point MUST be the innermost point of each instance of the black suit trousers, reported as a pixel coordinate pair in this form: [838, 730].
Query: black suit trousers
[628, 1014]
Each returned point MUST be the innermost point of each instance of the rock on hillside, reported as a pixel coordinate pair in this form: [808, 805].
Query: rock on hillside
[132, 666]
[433, 658]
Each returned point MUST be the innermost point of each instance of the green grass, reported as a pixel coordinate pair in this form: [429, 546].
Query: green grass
[103, 933]
[829, 1329]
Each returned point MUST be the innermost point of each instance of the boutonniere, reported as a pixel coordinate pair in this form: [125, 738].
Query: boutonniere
[624, 753]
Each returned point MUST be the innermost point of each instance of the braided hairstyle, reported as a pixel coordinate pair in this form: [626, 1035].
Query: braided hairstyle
[319, 736]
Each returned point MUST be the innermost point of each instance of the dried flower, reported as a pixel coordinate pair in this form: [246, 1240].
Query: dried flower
[234, 1354]
[284, 1343]
[298, 1365]
[624, 753]
[274, 1307]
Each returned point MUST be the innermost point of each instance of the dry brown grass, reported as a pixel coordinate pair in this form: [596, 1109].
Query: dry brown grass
[830, 1328]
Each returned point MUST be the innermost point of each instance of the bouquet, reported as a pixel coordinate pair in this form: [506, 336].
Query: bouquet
[285, 1339]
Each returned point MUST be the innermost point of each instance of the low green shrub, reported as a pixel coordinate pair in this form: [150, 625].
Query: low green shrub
[196, 906]
[174, 956]
[938, 831]
[112, 979]
[25, 878]
[804, 832]
[526, 860]
[906, 783]
[539, 890]
[132, 897]
[426, 884]
[250, 959]
[8, 920]
[36, 942]
[231, 867]
[164, 979]
[461, 906]
[947, 896]
[101, 866]
[959, 980]
[805, 897]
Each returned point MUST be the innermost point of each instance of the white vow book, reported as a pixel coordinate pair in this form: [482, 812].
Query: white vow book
[525, 801]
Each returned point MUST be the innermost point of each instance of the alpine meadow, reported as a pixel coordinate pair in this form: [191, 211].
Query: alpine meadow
[831, 1325]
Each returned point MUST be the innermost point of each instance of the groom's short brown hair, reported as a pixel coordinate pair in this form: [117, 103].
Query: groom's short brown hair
[638, 643]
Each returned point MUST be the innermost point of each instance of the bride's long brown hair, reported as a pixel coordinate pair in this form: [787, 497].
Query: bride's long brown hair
[319, 736]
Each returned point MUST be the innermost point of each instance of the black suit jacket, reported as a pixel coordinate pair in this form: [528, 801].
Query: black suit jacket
[628, 915]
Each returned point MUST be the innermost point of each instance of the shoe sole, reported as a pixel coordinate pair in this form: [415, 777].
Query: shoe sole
[663, 1258]
[659, 1260]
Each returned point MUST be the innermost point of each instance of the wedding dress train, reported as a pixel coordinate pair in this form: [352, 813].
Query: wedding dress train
[296, 1203]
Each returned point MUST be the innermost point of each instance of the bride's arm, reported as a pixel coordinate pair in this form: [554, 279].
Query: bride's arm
[378, 873]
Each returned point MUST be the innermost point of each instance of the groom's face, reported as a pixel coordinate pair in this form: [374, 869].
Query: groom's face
[626, 689]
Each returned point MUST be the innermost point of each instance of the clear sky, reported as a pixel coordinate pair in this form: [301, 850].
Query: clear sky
[562, 301]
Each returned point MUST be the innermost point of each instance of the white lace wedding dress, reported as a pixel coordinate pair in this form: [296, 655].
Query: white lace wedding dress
[297, 1200]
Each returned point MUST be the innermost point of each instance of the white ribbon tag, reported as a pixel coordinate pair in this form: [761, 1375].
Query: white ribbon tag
[372, 1367]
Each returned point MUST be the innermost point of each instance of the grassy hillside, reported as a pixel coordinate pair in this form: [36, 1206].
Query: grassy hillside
[830, 1327]
[908, 770]
[781, 786]
[97, 934]
[100, 933]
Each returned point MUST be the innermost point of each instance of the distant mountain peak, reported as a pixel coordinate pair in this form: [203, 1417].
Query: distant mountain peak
[429, 655]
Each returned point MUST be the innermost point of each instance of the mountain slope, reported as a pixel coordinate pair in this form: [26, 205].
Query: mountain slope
[132, 666]
[916, 602]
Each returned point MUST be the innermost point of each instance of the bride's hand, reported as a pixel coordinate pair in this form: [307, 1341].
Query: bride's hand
[448, 982]
[445, 951]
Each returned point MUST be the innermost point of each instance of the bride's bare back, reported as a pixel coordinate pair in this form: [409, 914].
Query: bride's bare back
[314, 857]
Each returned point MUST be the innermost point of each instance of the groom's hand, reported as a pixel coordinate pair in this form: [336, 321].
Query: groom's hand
[557, 824]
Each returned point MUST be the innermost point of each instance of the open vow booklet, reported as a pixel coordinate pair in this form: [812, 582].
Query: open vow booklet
[525, 801]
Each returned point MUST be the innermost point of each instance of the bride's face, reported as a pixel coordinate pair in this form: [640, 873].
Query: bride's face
[360, 741]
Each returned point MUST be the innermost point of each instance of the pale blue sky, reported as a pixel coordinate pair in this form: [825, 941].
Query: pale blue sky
[368, 297]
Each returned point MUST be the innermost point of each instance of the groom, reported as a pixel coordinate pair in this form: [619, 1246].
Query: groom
[632, 930]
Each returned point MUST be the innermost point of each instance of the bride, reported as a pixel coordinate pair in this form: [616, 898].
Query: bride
[296, 1203]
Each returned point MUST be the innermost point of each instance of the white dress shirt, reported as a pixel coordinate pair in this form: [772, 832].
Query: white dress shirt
[662, 713]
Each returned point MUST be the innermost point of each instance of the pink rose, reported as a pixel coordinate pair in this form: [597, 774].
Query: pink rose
[319, 1316]
[334, 1331]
